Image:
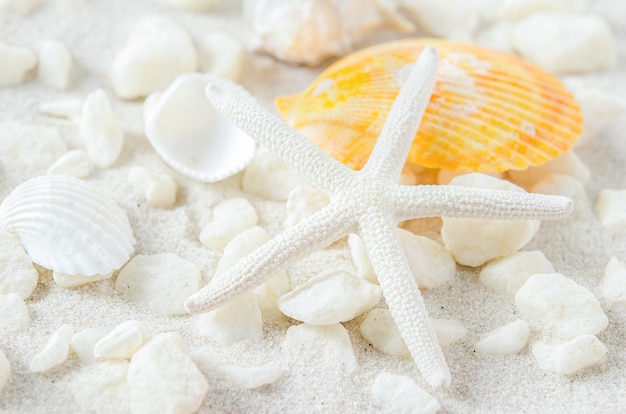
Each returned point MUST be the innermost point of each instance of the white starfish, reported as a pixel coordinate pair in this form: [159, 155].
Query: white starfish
[368, 202]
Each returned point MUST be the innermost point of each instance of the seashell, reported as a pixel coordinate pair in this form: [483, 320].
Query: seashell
[489, 112]
[67, 227]
[192, 136]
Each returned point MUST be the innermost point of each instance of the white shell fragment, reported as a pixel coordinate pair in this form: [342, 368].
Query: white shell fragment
[161, 281]
[67, 227]
[100, 129]
[17, 274]
[569, 357]
[329, 298]
[159, 189]
[221, 55]
[55, 351]
[565, 43]
[448, 331]
[611, 208]
[84, 341]
[73, 163]
[15, 63]
[380, 330]
[163, 378]
[474, 242]
[567, 163]
[14, 314]
[508, 339]
[123, 340]
[70, 281]
[613, 283]
[302, 202]
[360, 259]
[269, 177]
[252, 377]
[157, 52]
[31, 146]
[431, 264]
[55, 64]
[230, 217]
[561, 304]
[5, 370]
[507, 274]
[399, 394]
[192, 136]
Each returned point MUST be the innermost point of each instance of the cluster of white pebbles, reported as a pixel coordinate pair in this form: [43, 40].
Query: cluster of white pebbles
[560, 317]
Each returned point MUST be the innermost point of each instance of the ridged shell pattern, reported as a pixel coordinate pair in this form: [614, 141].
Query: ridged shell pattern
[490, 111]
[67, 227]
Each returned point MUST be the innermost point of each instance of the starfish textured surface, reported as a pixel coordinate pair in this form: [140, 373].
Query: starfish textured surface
[368, 202]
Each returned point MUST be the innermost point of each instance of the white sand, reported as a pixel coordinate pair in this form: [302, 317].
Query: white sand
[579, 247]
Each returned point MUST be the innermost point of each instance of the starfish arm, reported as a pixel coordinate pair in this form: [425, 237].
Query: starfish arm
[470, 202]
[297, 151]
[403, 297]
[396, 137]
[314, 233]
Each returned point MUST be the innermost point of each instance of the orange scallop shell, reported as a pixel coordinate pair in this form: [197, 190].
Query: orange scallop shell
[489, 112]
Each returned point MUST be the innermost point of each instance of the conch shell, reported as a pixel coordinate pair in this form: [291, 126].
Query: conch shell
[489, 112]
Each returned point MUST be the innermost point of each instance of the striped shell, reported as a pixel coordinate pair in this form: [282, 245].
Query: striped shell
[489, 112]
[67, 227]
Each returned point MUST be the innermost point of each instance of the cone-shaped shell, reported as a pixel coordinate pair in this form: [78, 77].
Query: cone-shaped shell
[489, 112]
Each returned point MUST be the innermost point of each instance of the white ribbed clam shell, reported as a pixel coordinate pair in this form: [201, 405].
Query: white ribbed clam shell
[66, 226]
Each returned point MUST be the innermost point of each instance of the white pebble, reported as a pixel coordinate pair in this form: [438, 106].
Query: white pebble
[565, 43]
[598, 108]
[613, 283]
[17, 273]
[31, 146]
[5, 370]
[498, 37]
[569, 357]
[507, 274]
[360, 259]
[508, 339]
[443, 17]
[163, 378]
[268, 177]
[193, 5]
[55, 64]
[380, 330]
[84, 341]
[74, 163]
[518, 9]
[331, 297]
[68, 108]
[14, 314]
[320, 347]
[55, 351]
[161, 281]
[399, 394]
[157, 52]
[567, 163]
[431, 264]
[15, 64]
[303, 201]
[238, 320]
[474, 242]
[159, 189]
[252, 377]
[100, 129]
[221, 55]
[230, 217]
[69, 281]
[448, 331]
[561, 304]
[123, 341]
[611, 208]
[561, 184]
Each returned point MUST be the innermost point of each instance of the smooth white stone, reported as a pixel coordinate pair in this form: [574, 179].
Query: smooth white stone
[474, 242]
[193, 5]
[17, 273]
[407, 177]
[55, 64]
[269, 177]
[561, 184]
[31, 146]
[507, 274]
[399, 394]
[123, 341]
[221, 55]
[329, 298]
[565, 43]
[69, 281]
[163, 378]
[230, 217]
[448, 331]
[84, 341]
[613, 283]
[380, 330]
[598, 108]
[611, 208]
[159, 188]
[5, 370]
[361, 260]
[569, 357]
[157, 52]
[507, 339]
[68, 108]
[561, 304]
[443, 17]
[431, 264]
[444, 177]
[518, 9]
[15, 64]
[303, 201]
[55, 351]
[74, 163]
[320, 347]
[14, 314]
[161, 281]
[252, 377]
[238, 320]
[567, 163]
[497, 37]
[100, 129]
